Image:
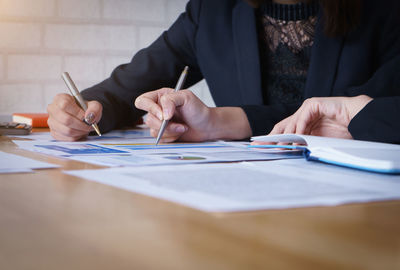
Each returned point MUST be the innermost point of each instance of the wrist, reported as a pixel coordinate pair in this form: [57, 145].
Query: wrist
[228, 123]
[356, 104]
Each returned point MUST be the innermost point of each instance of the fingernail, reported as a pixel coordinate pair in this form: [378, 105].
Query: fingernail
[180, 129]
[89, 119]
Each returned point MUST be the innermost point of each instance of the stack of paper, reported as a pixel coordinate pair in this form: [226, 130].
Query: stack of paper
[139, 150]
[251, 186]
[217, 186]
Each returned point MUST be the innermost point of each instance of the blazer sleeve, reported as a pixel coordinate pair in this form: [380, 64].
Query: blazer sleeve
[154, 67]
[379, 120]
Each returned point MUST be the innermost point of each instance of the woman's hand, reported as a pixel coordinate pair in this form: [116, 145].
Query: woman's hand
[66, 118]
[327, 116]
[189, 118]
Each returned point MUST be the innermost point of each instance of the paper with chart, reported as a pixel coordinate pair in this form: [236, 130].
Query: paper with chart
[142, 151]
[251, 186]
[10, 163]
[112, 135]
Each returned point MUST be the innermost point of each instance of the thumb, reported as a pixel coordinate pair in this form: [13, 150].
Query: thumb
[94, 112]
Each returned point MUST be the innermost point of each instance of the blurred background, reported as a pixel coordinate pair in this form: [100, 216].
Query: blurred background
[88, 38]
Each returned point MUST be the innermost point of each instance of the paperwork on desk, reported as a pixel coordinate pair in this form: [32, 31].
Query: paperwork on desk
[112, 135]
[251, 186]
[136, 148]
[142, 152]
[10, 163]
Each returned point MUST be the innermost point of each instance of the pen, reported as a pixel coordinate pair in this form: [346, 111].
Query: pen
[78, 97]
[178, 87]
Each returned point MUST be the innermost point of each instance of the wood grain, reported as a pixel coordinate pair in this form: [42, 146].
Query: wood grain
[49, 220]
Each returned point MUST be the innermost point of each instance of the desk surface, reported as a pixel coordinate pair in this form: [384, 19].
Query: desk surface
[49, 220]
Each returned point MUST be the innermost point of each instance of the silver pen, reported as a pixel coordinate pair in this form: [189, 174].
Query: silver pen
[78, 98]
[178, 87]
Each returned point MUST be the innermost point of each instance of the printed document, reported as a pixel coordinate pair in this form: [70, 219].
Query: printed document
[112, 135]
[250, 186]
[142, 151]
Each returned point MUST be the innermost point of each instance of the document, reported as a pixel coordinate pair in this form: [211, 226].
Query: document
[10, 163]
[65, 149]
[113, 135]
[141, 152]
[137, 148]
[250, 186]
[363, 155]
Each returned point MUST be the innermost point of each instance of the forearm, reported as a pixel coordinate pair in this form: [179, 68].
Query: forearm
[228, 123]
[152, 68]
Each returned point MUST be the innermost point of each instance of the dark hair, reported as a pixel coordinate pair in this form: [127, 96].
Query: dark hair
[339, 16]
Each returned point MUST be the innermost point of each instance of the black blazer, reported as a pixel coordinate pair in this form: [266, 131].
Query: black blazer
[218, 41]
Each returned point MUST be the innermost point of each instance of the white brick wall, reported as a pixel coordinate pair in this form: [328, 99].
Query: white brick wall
[138, 10]
[1, 67]
[27, 8]
[20, 36]
[88, 38]
[87, 9]
[26, 97]
[33, 67]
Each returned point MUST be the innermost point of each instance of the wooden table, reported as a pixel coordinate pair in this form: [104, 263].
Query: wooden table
[49, 220]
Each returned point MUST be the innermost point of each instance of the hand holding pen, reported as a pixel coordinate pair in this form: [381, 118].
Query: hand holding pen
[79, 100]
[178, 87]
[189, 119]
[66, 115]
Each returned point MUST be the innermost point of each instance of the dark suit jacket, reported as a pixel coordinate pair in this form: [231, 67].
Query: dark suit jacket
[218, 41]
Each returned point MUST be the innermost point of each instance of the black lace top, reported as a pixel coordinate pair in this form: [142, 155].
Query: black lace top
[286, 35]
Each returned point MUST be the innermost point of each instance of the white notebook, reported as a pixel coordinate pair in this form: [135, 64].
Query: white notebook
[363, 155]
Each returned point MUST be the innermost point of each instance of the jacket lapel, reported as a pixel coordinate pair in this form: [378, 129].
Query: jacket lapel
[322, 71]
[247, 54]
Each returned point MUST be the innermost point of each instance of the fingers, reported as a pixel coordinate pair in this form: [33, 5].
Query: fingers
[61, 137]
[291, 125]
[280, 127]
[66, 125]
[161, 103]
[172, 132]
[149, 102]
[191, 117]
[94, 112]
[166, 138]
[302, 121]
[67, 104]
[308, 115]
[65, 118]
[168, 105]
[190, 106]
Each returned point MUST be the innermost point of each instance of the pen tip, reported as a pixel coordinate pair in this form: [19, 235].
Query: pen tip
[96, 128]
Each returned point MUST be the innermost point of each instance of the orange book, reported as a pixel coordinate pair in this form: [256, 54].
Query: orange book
[37, 120]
